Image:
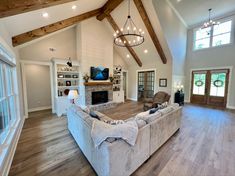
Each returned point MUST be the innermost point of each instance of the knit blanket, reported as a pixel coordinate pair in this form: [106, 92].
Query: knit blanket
[127, 131]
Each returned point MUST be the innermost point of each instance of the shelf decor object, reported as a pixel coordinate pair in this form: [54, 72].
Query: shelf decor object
[129, 34]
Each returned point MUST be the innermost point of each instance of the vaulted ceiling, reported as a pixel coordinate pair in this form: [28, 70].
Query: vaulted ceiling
[194, 12]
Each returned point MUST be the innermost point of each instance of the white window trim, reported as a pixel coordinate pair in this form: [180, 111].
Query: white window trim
[211, 37]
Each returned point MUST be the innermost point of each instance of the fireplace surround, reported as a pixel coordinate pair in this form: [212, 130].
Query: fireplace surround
[97, 88]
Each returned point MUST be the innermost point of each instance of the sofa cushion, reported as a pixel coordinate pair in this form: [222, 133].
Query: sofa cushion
[142, 115]
[153, 117]
[175, 106]
[141, 123]
[166, 110]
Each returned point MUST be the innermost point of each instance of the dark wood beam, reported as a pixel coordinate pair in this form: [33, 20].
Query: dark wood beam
[109, 6]
[15, 7]
[150, 29]
[45, 30]
[130, 49]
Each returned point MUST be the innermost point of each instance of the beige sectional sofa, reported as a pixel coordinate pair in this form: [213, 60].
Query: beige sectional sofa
[117, 157]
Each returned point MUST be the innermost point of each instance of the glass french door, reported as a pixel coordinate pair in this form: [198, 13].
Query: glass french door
[146, 84]
[210, 87]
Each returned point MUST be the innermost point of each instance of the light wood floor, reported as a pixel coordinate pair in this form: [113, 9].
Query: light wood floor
[205, 146]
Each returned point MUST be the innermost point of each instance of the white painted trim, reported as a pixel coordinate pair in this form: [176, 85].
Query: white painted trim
[155, 80]
[214, 68]
[24, 87]
[177, 13]
[40, 108]
[132, 99]
[25, 62]
[14, 141]
[127, 82]
[230, 107]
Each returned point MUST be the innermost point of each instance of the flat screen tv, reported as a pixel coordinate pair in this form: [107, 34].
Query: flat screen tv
[99, 73]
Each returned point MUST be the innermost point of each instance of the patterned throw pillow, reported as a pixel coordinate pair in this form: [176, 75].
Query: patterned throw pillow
[114, 122]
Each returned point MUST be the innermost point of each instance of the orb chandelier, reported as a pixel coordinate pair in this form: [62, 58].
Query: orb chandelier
[129, 34]
[210, 23]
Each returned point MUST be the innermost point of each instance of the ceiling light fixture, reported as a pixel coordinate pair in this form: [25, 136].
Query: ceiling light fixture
[209, 23]
[129, 34]
[128, 56]
[45, 15]
[74, 7]
[145, 51]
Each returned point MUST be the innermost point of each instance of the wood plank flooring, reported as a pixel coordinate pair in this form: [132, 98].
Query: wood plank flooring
[204, 146]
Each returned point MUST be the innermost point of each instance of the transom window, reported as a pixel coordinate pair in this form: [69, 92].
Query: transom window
[213, 36]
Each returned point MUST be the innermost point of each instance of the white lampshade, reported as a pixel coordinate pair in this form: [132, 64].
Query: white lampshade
[73, 94]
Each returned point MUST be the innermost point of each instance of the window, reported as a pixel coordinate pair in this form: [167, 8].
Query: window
[222, 34]
[199, 83]
[202, 38]
[7, 100]
[212, 37]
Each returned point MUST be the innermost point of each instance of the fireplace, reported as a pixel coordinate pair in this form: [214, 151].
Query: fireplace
[99, 97]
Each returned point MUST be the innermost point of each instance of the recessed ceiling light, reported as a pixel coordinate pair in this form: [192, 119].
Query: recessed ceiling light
[128, 56]
[178, 0]
[74, 7]
[145, 51]
[45, 15]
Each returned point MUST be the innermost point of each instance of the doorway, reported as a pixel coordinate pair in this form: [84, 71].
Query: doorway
[125, 83]
[37, 86]
[146, 81]
[210, 87]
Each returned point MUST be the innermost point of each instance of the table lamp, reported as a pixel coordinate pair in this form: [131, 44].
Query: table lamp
[73, 94]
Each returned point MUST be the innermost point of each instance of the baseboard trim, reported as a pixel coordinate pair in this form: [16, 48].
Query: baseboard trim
[230, 107]
[12, 149]
[132, 99]
[39, 108]
[187, 101]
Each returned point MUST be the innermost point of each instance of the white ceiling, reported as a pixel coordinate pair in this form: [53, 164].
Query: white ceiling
[194, 12]
[31, 20]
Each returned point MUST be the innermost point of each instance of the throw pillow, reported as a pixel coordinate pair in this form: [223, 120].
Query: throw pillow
[152, 111]
[94, 115]
[142, 114]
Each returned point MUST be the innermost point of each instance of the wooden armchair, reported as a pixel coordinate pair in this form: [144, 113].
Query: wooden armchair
[158, 98]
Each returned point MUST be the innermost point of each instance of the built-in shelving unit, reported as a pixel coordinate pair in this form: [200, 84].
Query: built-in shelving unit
[65, 79]
[118, 93]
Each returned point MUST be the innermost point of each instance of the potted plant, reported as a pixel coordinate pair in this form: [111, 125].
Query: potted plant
[86, 77]
[111, 78]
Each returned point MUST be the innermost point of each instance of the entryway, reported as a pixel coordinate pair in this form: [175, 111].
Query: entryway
[146, 80]
[210, 87]
[37, 86]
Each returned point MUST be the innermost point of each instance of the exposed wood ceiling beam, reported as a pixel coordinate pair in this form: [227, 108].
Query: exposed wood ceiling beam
[150, 29]
[14, 7]
[109, 6]
[40, 32]
[130, 49]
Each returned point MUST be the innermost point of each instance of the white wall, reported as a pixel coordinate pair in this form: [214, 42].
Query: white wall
[218, 57]
[118, 60]
[64, 42]
[94, 48]
[175, 33]
[38, 86]
[162, 71]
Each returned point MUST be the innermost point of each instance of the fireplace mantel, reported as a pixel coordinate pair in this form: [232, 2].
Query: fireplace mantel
[97, 83]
